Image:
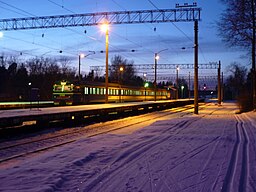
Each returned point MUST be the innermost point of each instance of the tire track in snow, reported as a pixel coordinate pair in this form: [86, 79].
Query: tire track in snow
[135, 152]
[250, 131]
[202, 174]
[237, 175]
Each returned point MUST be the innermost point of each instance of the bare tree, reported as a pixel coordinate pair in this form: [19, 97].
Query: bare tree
[237, 28]
[127, 72]
[235, 25]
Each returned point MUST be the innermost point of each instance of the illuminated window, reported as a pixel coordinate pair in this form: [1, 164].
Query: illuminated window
[93, 91]
[86, 90]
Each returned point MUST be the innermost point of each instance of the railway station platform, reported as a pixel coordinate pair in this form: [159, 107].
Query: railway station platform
[14, 117]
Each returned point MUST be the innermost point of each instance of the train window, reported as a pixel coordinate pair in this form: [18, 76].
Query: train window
[86, 91]
[93, 91]
[122, 92]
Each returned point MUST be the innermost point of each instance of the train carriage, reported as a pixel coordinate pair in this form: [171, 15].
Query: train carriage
[67, 93]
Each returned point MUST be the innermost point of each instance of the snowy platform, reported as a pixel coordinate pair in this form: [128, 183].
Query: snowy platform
[19, 116]
[212, 151]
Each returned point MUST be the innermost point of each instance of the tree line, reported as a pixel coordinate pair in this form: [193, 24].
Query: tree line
[18, 78]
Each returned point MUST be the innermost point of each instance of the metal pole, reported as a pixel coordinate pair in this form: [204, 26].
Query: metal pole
[106, 78]
[189, 85]
[253, 55]
[222, 87]
[219, 85]
[196, 69]
[79, 64]
[177, 82]
[155, 74]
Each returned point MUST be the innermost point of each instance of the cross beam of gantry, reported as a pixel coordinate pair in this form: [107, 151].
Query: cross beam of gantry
[90, 19]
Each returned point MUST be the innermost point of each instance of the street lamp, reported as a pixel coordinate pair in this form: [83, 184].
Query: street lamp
[177, 81]
[121, 69]
[80, 56]
[182, 93]
[79, 65]
[156, 58]
[105, 28]
[146, 85]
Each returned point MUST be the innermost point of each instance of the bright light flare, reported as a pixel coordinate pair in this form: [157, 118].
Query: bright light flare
[1, 34]
[104, 27]
[157, 57]
[81, 55]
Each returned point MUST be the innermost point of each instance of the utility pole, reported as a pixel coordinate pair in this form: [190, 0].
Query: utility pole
[155, 85]
[196, 69]
[219, 85]
[222, 87]
[253, 55]
[189, 85]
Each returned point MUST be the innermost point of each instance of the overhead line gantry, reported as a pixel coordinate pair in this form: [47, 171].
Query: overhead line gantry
[91, 19]
[211, 65]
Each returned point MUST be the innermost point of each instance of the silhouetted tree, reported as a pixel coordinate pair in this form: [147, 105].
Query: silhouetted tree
[237, 27]
[127, 76]
[237, 87]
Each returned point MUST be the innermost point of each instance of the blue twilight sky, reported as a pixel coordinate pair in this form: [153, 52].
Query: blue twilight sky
[122, 38]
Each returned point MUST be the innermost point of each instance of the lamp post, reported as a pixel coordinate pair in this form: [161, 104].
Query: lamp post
[177, 82]
[79, 65]
[105, 28]
[121, 69]
[156, 58]
[146, 85]
[182, 88]
[80, 56]
[189, 85]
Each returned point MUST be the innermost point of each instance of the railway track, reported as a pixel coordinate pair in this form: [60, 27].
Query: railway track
[34, 145]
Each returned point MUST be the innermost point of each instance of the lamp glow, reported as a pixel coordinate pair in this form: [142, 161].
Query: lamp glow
[104, 27]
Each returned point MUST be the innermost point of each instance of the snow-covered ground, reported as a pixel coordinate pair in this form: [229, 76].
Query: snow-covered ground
[212, 151]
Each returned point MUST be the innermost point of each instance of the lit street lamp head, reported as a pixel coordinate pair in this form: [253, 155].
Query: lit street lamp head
[105, 27]
[81, 55]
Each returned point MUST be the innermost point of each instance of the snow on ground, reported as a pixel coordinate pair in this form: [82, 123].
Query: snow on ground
[213, 151]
